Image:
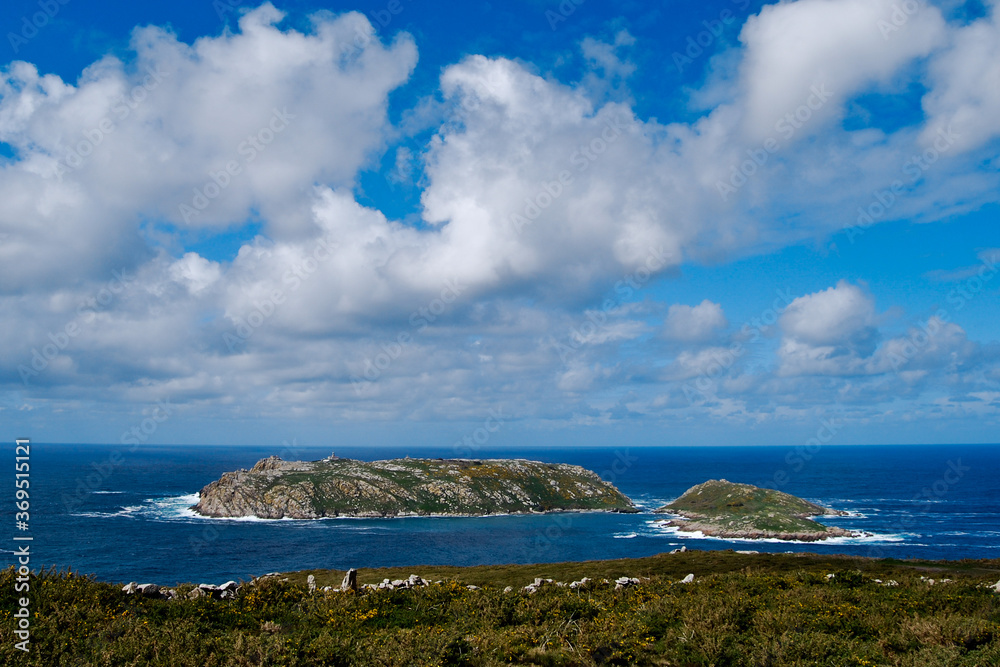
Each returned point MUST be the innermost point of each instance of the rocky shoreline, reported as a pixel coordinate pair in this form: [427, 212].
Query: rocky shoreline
[727, 510]
[337, 487]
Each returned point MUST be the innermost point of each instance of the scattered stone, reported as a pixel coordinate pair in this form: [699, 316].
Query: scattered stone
[891, 582]
[311, 583]
[326, 588]
[195, 593]
[688, 579]
[748, 553]
[129, 588]
[679, 551]
[415, 580]
[831, 576]
[583, 583]
[149, 590]
[625, 582]
[508, 589]
[995, 587]
[472, 588]
[350, 582]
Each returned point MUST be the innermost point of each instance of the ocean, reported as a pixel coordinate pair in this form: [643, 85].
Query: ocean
[122, 513]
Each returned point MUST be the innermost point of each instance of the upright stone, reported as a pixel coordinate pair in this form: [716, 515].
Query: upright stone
[350, 582]
[311, 580]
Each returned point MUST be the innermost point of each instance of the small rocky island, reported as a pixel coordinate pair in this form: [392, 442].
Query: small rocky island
[332, 487]
[719, 508]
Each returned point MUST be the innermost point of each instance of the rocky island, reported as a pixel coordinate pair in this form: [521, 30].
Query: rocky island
[719, 508]
[332, 487]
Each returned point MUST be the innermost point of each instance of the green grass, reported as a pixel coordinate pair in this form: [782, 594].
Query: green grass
[766, 609]
[732, 507]
[430, 486]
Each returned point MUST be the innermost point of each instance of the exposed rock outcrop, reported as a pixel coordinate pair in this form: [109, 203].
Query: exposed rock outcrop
[275, 489]
[719, 508]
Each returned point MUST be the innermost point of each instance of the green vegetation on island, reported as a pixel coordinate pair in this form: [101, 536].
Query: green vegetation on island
[766, 609]
[729, 510]
[275, 489]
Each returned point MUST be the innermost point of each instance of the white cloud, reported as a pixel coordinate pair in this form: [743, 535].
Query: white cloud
[281, 109]
[842, 45]
[965, 93]
[540, 198]
[694, 323]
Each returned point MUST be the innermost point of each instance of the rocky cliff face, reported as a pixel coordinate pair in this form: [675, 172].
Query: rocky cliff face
[728, 510]
[275, 489]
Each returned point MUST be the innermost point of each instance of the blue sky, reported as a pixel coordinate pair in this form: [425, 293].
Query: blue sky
[367, 223]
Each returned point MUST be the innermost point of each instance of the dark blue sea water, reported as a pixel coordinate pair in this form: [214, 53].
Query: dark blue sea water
[123, 516]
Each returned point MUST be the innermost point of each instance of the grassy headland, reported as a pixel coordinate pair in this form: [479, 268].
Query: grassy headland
[753, 609]
[727, 509]
[275, 489]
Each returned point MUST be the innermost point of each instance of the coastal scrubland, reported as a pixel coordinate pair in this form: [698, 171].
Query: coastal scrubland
[741, 609]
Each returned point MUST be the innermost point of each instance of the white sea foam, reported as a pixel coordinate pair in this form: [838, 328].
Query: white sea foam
[105, 492]
[625, 536]
[857, 538]
[130, 511]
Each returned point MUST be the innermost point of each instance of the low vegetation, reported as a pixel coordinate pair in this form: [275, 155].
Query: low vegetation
[728, 509]
[764, 609]
[332, 487]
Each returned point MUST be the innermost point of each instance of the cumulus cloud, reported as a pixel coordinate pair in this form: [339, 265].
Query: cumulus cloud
[200, 135]
[541, 202]
[694, 323]
[965, 93]
[842, 46]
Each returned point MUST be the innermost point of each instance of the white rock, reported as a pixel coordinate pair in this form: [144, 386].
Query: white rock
[129, 588]
[148, 589]
[688, 579]
[831, 576]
